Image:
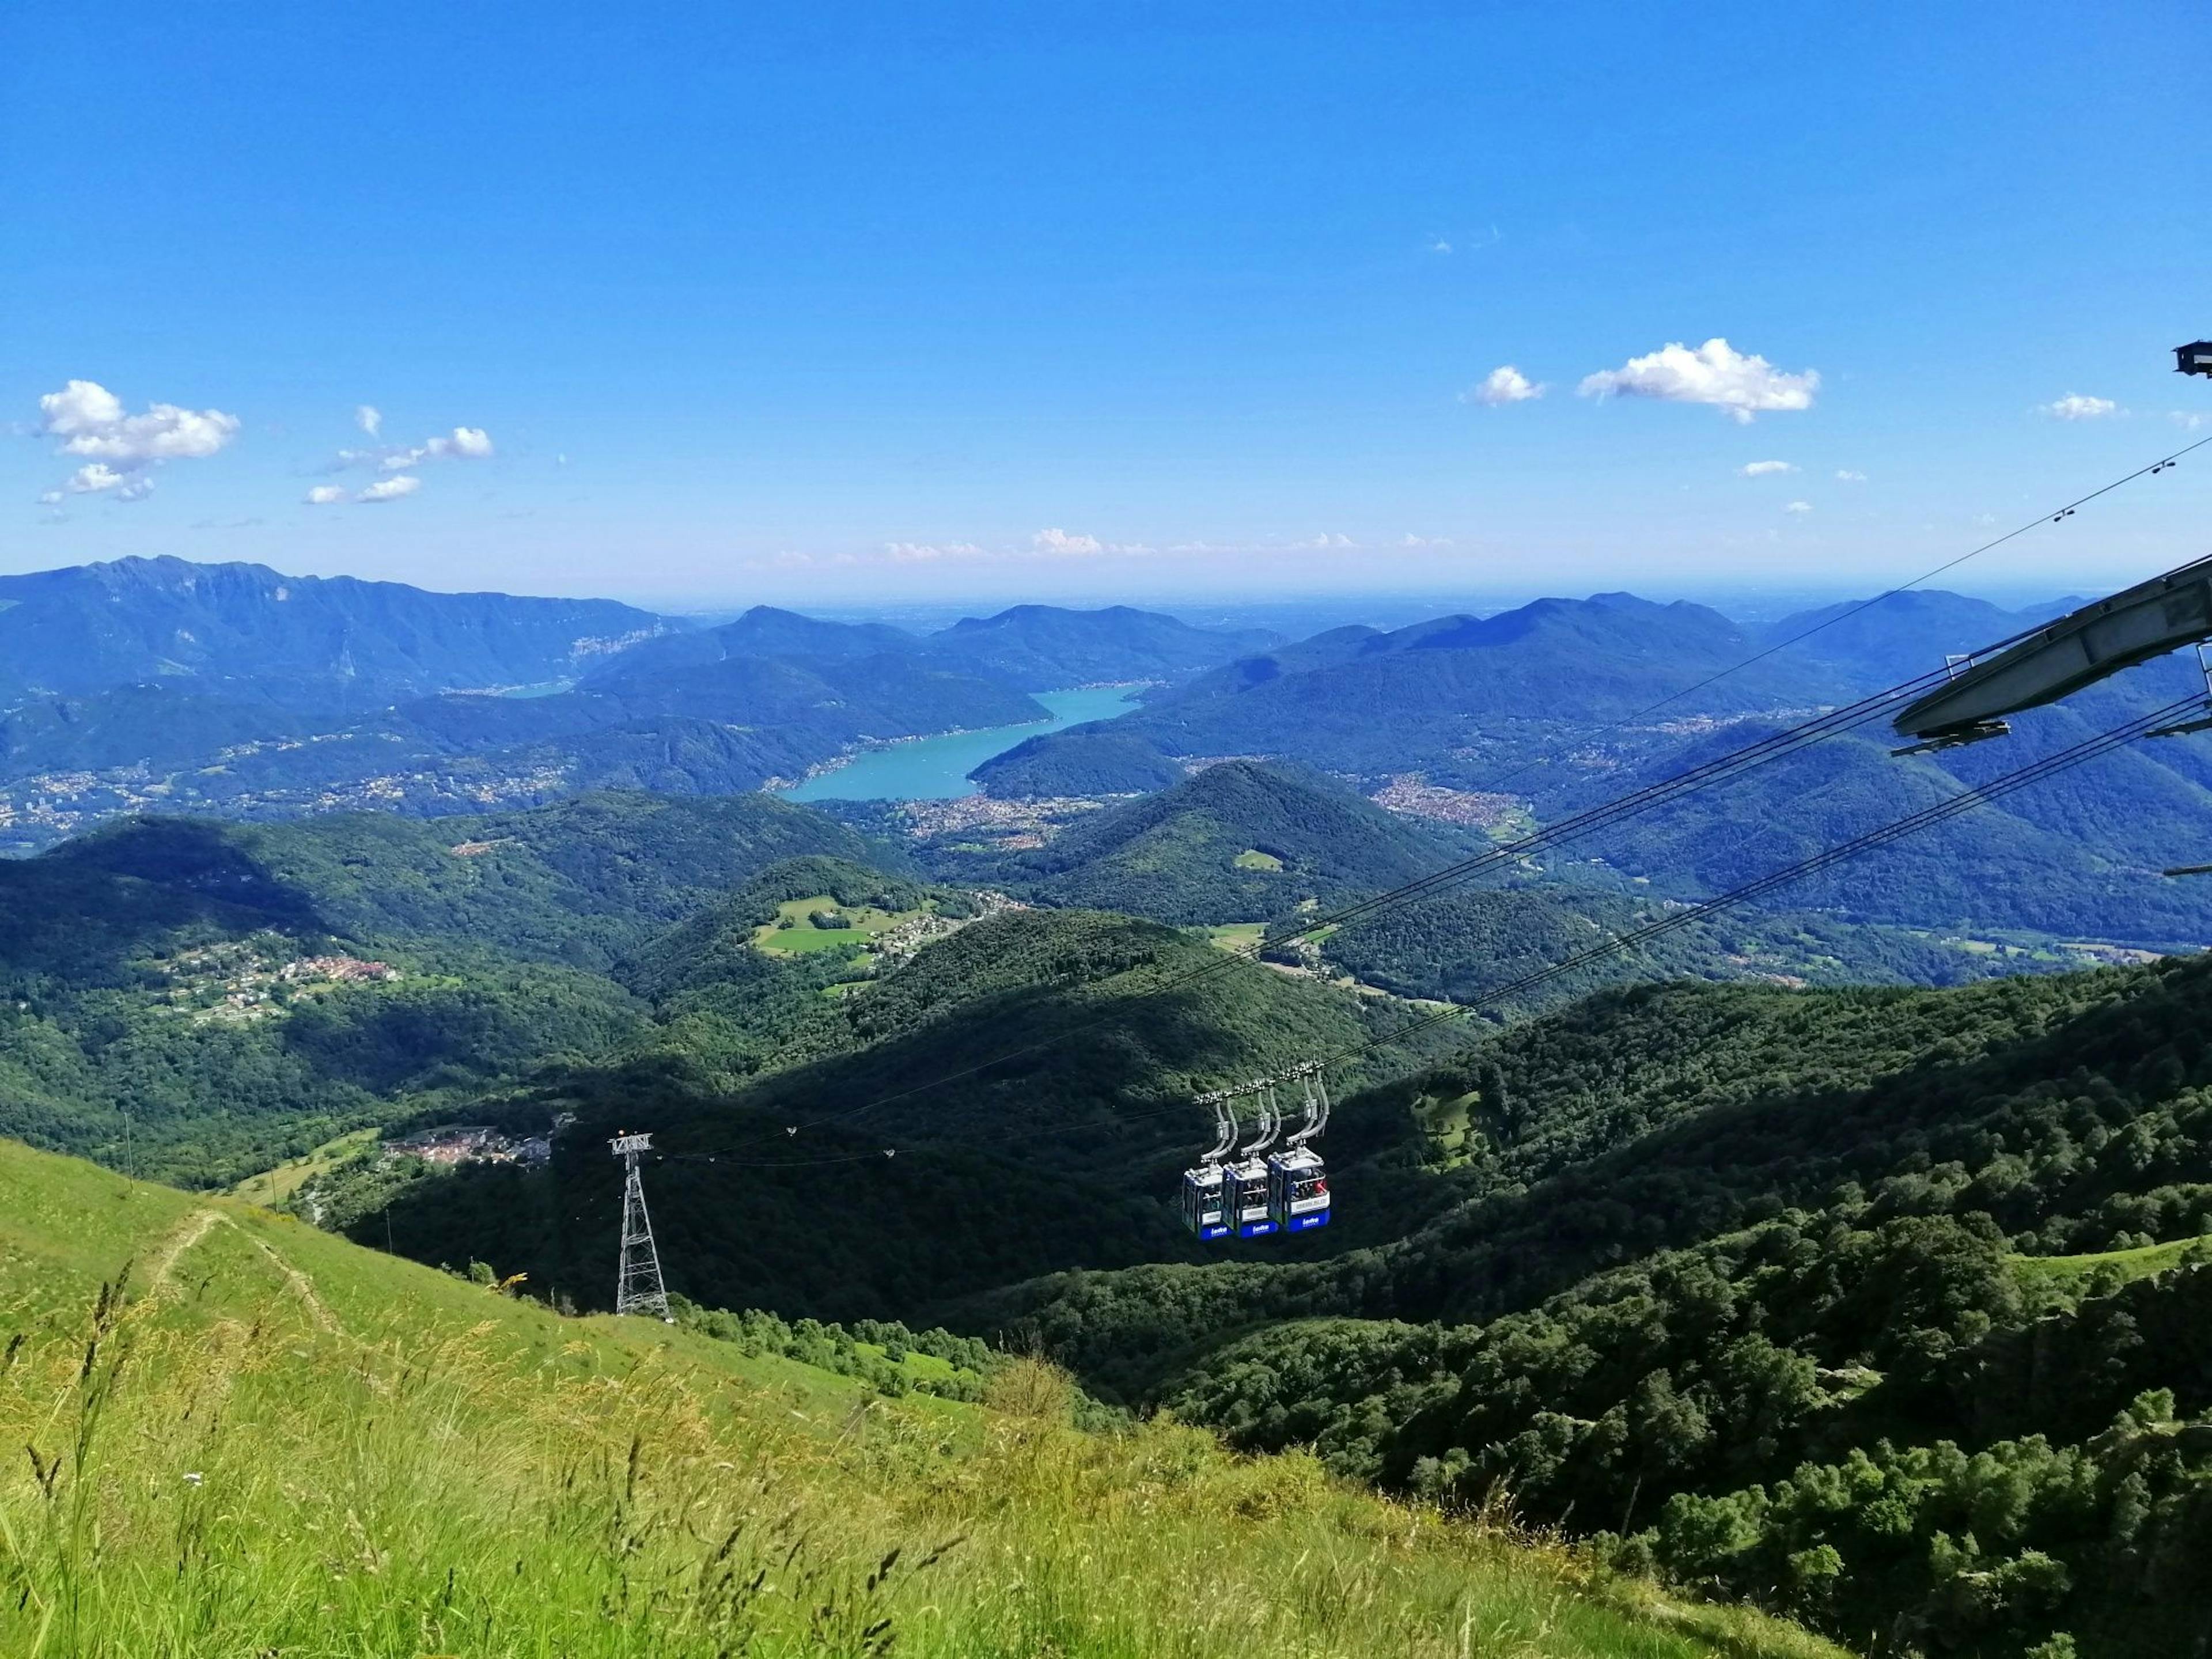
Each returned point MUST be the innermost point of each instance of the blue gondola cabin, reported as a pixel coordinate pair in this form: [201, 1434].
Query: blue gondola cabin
[1297, 1190]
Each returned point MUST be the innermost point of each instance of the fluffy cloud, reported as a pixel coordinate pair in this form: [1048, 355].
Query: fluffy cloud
[1409, 539]
[1503, 384]
[121, 448]
[90, 421]
[1797, 507]
[1060, 544]
[2075, 407]
[1326, 539]
[2186, 421]
[325, 496]
[93, 479]
[1764, 469]
[463, 443]
[1437, 245]
[1844, 475]
[390, 490]
[1716, 374]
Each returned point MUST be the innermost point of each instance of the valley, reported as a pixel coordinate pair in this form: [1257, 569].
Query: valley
[1747, 1259]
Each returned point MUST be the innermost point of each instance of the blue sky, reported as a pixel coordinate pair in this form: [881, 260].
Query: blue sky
[704, 303]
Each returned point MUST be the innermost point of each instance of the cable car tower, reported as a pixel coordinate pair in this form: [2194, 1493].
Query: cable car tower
[638, 1288]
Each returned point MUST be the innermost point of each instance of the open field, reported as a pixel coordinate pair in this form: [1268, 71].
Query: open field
[792, 934]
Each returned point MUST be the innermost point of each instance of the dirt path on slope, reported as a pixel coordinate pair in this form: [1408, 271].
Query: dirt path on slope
[203, 1222]
[196, 1227]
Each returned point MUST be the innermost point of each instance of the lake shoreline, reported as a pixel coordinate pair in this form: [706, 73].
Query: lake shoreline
[935, 767]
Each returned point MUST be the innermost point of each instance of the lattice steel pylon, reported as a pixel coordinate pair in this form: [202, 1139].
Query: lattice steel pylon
[638, 1288]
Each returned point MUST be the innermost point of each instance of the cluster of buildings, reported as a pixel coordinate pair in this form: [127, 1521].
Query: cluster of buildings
[456, 1143]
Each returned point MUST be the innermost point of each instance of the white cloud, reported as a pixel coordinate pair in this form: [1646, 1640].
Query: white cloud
[2186, 421]
[90, 421]
[1797, 507]
[467, 443]
[1503, 384]
[1437, 245]
[2075, 407]
[1764, 469]
[325, 496]
[1326, 539]
[1844, 475]
[1060, 543]
[390, 490]
[1716, 374]
[1409, 539]
[463, 443]
[93, 479]
[369, 418]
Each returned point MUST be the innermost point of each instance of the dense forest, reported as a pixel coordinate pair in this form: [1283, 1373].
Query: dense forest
[1883, 1307]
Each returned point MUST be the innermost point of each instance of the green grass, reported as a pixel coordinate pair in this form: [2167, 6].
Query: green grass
[272, 1186]
[802, 936]
[1243, 936]
[274, 1442]
[2072, 1272]
[1253, 859]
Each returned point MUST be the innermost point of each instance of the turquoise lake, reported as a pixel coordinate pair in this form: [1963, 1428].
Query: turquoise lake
[936, 768]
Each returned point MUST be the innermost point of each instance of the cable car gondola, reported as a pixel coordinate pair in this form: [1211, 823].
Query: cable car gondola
[1205, 1209]
[1297, 1180]
[1244, 1182]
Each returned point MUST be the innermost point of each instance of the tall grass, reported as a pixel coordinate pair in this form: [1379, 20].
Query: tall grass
[219, 1466]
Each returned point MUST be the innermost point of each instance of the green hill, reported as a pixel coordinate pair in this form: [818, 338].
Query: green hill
[1063, 1119]
[1084, 760]
[204, 1001]
[1240, 841]
[242, 1436]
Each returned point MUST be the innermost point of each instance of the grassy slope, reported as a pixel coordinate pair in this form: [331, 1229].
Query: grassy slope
[2074, 1273]
[281, 1443]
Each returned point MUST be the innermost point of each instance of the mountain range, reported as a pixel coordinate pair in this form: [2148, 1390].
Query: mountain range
[238, 690]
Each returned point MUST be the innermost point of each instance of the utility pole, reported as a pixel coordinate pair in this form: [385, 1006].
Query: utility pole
[638, 1288]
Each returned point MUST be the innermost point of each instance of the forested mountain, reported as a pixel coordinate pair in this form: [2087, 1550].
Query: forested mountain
[92, 627]
[1062, 1049]
[1783, 1292]
[1241, 841]
[1356, 700]
[236, 691]
[1092, 759]
[213, 998]
[1031, 647]
[1043, 647]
